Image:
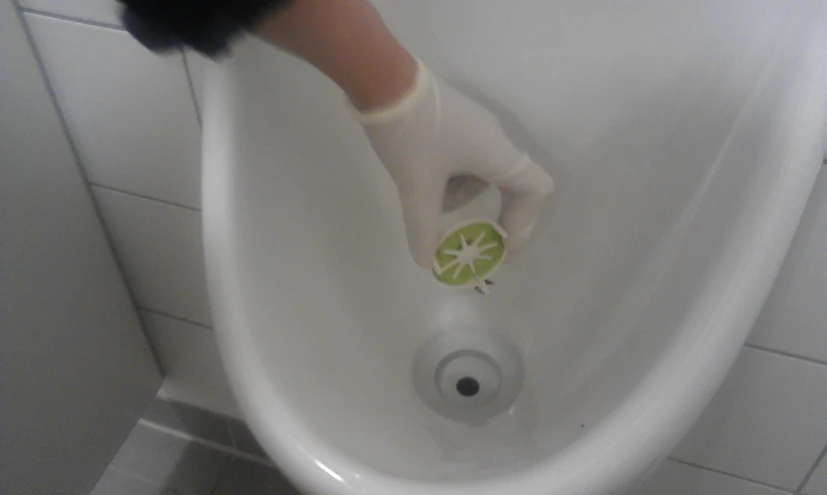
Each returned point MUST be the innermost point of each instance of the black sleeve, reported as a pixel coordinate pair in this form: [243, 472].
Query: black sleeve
[205, 25]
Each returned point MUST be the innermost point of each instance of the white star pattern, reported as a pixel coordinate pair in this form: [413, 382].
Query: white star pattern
[467, 255]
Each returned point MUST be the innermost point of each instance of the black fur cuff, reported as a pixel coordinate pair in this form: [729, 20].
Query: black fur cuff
[205, 25]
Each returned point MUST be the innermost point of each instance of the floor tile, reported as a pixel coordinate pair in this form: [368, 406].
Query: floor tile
[817, 484]
[673, 478]
[191, 420]
[171, 462]
[244, 439]
[766, 423]
[116, 483]
[251, 478]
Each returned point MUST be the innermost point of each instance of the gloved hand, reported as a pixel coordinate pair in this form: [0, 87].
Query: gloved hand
[442, 149]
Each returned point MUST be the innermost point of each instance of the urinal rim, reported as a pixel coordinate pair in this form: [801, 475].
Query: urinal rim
[617, 451]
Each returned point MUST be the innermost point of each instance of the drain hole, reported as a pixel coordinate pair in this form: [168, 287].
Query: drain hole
[468, 387]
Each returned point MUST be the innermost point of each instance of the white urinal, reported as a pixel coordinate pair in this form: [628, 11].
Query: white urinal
[684, 137]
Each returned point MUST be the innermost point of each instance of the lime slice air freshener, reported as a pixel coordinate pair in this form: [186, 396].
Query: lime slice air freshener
[468, 253]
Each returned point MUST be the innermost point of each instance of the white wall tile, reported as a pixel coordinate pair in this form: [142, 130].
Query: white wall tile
[191, 363]
[74, 368]
[129, 111]
[767, 423]
[794, 318]
[817, 484]
[105, 11]
[160, 248]
[673, 478]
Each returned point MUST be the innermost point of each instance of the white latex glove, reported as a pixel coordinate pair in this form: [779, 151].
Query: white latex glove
[431, 141]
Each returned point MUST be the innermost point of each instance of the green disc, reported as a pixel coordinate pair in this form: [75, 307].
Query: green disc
[469, 252]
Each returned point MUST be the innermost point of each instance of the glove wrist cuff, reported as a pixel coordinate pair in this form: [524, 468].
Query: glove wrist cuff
[408, 101]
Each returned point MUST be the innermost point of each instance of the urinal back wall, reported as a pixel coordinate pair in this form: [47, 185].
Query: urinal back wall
[134, 119]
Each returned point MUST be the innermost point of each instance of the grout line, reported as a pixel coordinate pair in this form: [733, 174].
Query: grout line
[175, 317]
[785, 354]
[724, 473]
[134, 476]
[812, 470]
[232, 435]
[68, 18]
[142, 196]
[192, 88]
[161, 367]
[119, 266]
[206, 443]
[214, 489]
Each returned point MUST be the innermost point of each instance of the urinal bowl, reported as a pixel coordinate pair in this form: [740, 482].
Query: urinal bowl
[682, 166]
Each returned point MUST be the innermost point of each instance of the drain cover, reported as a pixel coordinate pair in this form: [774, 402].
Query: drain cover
[468, 375]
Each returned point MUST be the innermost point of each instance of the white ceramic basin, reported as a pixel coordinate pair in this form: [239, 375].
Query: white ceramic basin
[684, 138]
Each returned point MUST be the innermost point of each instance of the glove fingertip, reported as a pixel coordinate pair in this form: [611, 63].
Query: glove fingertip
[423, 259]
[422, 243]
[517, 237]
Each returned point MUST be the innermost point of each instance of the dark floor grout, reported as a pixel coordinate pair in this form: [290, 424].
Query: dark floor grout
[218, 480]
[232, 435]
[193, 96]
[77, 20]
[141, 196]
[237, 454]
[812, 470]
[724, 473]
[175, 317]
[785, 354]
[131, 475]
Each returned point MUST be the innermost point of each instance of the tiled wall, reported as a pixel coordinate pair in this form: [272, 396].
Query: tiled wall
[134, 120]
[135, 123]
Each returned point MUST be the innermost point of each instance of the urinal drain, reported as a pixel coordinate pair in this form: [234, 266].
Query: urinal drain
[468, 386]
[468, 375]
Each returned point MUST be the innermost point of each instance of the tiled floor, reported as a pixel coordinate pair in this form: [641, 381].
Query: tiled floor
[179, 450]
